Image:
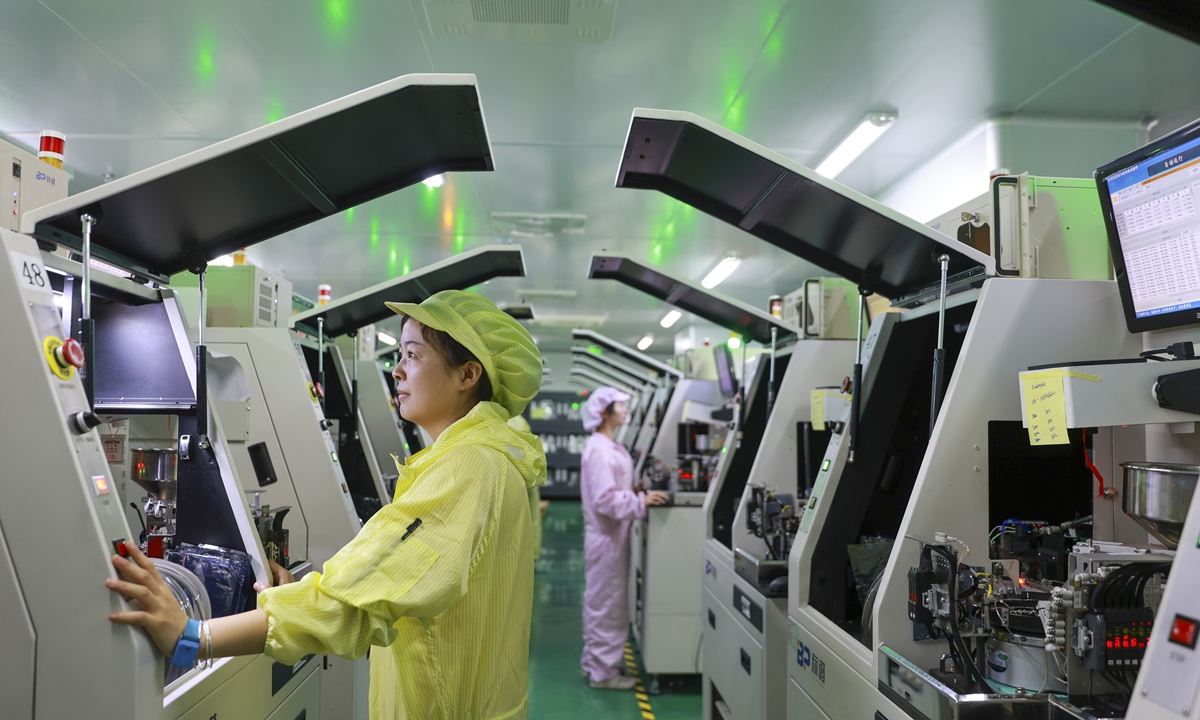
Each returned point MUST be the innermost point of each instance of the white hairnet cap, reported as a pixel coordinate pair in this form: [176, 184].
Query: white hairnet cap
[593, 409]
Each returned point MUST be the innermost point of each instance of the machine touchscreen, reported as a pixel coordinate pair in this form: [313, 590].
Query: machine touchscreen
[1150, 199]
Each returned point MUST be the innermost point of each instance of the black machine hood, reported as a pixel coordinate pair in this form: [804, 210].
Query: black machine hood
[744, 184]
[182, 213]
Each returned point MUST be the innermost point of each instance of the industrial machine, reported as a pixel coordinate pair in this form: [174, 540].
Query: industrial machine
[29, 182]
[852, 520]
[116, 349]
[368, 410]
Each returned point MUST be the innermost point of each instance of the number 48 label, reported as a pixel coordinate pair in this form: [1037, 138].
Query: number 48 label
[31, 274]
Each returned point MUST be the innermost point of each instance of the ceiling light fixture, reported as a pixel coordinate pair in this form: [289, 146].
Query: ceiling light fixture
[671, 318]
[435, 182]
[723, 270]
[868, 131]
[645, 342]
[385, 338]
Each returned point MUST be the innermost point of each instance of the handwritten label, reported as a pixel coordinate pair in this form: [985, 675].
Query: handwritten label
[817, 414]
[1046, 405]
[818, 410]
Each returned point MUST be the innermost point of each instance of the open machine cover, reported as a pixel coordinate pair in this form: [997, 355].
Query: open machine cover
[579, 353]
[455, 273]
[660, 368]
[1181, 17]
[723, 310]
[788, 205]
[252, 187]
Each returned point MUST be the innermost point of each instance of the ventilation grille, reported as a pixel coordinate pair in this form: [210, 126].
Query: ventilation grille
[524, 12]
[574, 21]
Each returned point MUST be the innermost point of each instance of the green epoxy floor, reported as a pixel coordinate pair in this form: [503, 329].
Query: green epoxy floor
[557, 689]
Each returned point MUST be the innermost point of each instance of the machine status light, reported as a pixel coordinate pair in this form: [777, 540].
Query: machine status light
[334, 456]
[100, 483]
[824, 466]
[1184, 631]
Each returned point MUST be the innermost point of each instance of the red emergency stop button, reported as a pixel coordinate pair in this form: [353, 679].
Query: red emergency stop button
[1184, 631]
[847, 385]
[70, 353]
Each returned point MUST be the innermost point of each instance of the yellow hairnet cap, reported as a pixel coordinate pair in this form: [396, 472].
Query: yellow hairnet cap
[505, 349]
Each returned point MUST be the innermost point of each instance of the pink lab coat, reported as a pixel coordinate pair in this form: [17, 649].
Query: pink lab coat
[609, 506]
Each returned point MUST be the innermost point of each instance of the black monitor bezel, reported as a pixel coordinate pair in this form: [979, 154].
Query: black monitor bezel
[1161, 146]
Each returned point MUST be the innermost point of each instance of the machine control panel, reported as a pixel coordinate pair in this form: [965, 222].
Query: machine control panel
[1171, 666]
[80, 422]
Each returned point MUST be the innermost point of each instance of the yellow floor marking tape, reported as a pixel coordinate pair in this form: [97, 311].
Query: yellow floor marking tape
[638, 690]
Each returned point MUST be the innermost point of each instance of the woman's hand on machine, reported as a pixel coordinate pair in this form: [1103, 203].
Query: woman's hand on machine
[279, 576]
[655, 497]
[160, 616]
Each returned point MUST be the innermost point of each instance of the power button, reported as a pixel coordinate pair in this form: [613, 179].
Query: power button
[1184, 631]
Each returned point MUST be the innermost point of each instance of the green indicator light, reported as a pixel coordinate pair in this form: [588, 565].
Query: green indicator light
[724, 450]
[824, 466]
[334, 456]
[594, 349]
[574, 406]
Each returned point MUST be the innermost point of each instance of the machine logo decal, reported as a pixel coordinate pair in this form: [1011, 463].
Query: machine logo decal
[709, 568]
[806, 658]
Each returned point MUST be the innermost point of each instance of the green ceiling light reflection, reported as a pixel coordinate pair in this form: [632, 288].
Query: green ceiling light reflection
[375, 233]
[274, 111]
[337, 13]
[205, 64]
[459, 242]
[349, 214]
[392, 258]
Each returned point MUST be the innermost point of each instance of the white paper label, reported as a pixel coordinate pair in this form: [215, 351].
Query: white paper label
[31, 274]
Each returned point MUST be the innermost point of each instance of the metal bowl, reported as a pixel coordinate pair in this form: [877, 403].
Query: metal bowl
[1158, 495]
[155, 470]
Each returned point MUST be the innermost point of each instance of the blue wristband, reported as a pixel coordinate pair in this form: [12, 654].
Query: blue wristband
[188, 646]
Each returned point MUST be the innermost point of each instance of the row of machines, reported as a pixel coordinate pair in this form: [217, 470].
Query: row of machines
[674, 444]
[992, 409]
[707, 461]
[129, 402]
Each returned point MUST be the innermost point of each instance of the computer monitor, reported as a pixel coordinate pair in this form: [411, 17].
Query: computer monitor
[1150, 200]
[726, 379]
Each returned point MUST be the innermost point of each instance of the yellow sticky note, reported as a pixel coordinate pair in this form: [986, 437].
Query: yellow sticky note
[1045, 408]
[818, 410]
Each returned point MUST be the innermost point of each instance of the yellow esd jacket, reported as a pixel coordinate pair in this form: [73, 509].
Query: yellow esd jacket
[447, 608]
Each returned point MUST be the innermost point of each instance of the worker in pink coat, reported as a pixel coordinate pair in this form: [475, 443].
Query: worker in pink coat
[609, 506]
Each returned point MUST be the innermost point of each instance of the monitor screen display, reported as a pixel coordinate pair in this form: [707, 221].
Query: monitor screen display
[1150, 199]
[726, 380]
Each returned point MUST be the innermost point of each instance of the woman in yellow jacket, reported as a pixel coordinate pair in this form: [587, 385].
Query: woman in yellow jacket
[437, 585]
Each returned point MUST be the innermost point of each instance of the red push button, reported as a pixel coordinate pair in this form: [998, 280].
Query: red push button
[119, 546]
[847, 385]
[1184, 631]
[71, 353]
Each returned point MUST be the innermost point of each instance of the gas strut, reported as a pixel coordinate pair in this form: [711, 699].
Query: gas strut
[939, 354]
[201, 364]
[87, 326]
[856, 388]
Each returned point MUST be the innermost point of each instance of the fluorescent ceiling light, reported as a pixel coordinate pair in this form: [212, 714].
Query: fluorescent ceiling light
[868, 131]
[645, 342]
[385, 338]
[671, 318]
[723, 270]
[223, 261]
[734, 342]
[435, 182]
